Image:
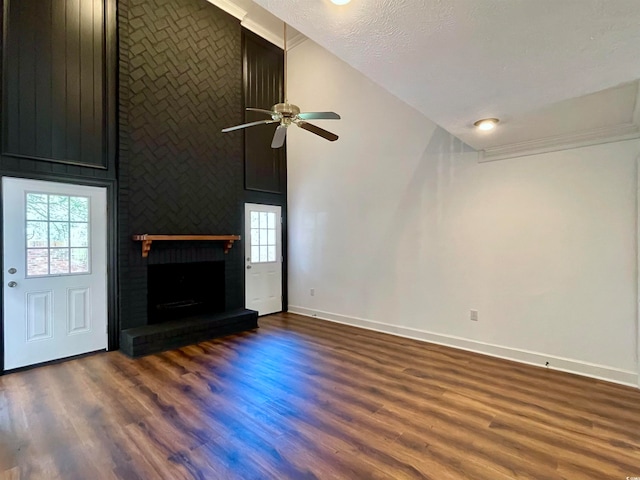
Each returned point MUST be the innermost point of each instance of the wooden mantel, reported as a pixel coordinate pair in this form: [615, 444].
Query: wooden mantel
[147, 240]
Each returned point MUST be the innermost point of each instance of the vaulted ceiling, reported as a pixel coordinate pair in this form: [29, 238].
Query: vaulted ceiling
[555, 72]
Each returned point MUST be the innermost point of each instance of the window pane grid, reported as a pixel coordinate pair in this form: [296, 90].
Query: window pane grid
[263, 237]
[57, 234]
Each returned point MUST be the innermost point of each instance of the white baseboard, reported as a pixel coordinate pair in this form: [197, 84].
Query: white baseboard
[600, 372]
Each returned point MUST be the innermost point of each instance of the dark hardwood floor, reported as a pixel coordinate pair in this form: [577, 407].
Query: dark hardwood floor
[302, 398]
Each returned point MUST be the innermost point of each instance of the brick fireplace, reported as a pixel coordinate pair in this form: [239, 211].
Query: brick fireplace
[187, 299]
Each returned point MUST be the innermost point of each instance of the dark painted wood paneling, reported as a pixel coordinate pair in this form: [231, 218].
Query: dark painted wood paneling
[43, 23]
[55, 67]
[265, 167]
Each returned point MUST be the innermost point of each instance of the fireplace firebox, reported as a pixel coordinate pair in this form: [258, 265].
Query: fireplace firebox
[182, 290]
[185, 305]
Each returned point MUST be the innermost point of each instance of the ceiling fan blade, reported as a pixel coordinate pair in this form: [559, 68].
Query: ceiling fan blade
[261, 110]
[245, 125]
[279, 136]
[332, 137]
[319, 116]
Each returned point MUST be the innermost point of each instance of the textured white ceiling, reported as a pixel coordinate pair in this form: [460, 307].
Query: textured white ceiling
[460, 60]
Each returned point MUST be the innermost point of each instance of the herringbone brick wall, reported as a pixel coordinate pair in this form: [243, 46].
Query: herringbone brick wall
[180, 83]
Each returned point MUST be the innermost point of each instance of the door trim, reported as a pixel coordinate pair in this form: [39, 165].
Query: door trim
[262, 198]
[282, 252]
[113, 310]
[637, 218]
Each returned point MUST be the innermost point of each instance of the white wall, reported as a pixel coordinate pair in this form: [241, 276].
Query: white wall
[398, 228]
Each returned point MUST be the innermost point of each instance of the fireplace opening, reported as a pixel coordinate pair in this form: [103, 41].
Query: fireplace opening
[180, 290]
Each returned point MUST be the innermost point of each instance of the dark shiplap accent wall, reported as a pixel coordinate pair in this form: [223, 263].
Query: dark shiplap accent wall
[180, 84]
[54, 81]
[265, 167]
[43, 148]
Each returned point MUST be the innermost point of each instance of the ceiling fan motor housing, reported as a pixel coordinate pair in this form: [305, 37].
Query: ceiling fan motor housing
[287, 114]
[286, 109]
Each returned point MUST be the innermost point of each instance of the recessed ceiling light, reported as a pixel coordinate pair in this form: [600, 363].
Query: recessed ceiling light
[486, 124]
[340, 2]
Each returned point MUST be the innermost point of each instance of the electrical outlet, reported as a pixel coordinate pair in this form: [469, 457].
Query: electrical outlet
[312, 292]
[473, 315]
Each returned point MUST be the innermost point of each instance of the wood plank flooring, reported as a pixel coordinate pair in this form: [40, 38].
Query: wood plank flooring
[300, 399]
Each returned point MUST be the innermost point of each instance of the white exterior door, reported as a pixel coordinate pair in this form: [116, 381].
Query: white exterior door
[263, 258]
[55, 271]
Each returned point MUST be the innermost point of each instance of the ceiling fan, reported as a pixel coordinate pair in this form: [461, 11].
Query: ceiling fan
[287, 114]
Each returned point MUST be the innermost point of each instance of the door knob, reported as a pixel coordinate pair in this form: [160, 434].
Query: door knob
[248, 267]
[12, 284]
[12, 270]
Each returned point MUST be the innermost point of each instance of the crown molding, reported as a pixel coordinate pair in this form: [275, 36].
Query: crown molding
[615, 133]
[636, 109]
[265, 33]
[230, 7]
[247, 22]
[295, 40]
[275, 38]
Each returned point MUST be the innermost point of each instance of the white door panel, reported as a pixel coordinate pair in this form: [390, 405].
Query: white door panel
[55, 294]
[39, 316]
[263, 258]
[79, 311]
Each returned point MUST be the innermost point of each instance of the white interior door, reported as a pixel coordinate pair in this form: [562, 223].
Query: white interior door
[55, 270]
[263, 258]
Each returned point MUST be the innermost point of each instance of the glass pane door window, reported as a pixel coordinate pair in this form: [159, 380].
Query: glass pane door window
[57, 234]
[263, 237]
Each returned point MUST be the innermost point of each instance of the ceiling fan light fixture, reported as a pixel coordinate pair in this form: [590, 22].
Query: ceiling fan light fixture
[486, 124]
[340, 2]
